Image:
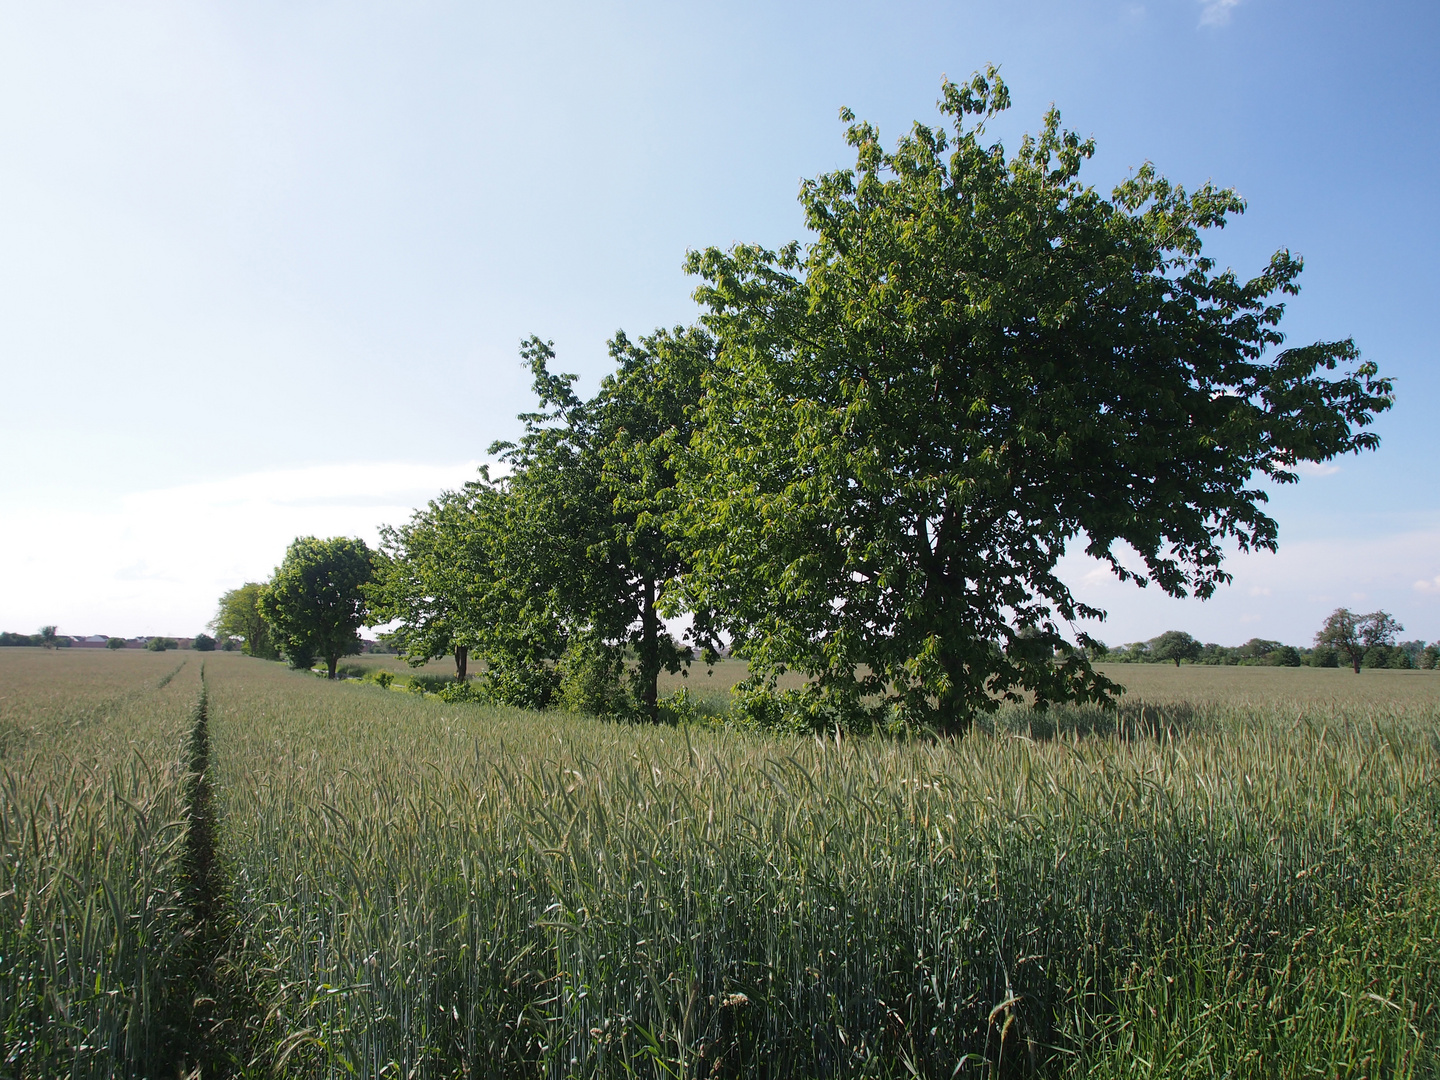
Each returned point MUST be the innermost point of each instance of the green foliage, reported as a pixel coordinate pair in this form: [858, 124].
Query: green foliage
[383, 679]
[161, 644]
[1174, 645]
[115, 643]
[47, 637]
[315, 601]
[240, 617]
[436, 577]
[591, 680]
[454, 692]
[299, 657]
[10, 638]
[203, 643]
[977, 360]
[1287, 656]
[588, 543]
[1356, 636]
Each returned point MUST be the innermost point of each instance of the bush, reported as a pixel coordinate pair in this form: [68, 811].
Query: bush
[590, 681]
[1324, 656]
[422, 683]
[203, 643]
[1378, 656]
[1286, 656]
[1429, 658]
[454, 691]
[115, 643]
[383, 679]
[300, 659]
[161, 644]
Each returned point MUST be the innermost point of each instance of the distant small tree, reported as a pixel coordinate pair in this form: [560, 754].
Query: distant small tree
[1174, 645]
[1353, 636]
[115, 643]
[1286, 656]
[160, 644]
[47, 637]
[203, 643]
[1429, 657]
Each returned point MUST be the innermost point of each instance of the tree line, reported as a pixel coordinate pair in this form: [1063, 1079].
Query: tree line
[1346, 639]
[864, 461]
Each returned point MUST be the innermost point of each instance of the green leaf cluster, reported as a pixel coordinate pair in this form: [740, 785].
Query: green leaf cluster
[315, 602]
[239, 617]
[867, 460]
[977, 361]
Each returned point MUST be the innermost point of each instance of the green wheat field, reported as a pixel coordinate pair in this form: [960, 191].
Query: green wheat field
[253, 872]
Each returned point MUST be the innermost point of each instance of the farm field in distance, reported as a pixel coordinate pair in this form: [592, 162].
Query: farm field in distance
[1238, 873]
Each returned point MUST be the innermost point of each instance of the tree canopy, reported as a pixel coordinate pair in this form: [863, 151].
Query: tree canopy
[1355, 635]
[590, 494]
[1175, 645]
[435, 576]
[977, 361]
[239, 616]
[315, 601]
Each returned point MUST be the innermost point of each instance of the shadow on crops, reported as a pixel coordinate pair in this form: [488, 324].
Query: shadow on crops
[1127, 720]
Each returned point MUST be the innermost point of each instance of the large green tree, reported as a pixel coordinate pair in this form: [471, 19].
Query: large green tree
[239, 617]
[1353, 634]
[440, 579]
[592, 491]
[977, 361]
[315, 602]
[1174, 645]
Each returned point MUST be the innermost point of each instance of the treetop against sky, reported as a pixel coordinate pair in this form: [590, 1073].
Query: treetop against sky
[265, 270]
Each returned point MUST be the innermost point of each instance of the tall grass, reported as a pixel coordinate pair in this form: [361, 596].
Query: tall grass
[93, 969]
[424, 889]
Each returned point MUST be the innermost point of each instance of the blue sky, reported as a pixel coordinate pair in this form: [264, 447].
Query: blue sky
[264, 267]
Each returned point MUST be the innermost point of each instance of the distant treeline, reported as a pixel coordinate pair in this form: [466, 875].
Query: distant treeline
[8, 638]
[47, 638]
[1259, 652]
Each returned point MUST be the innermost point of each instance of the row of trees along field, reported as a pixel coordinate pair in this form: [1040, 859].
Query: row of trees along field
[864, 462]
[47, 638]
[1346, 639]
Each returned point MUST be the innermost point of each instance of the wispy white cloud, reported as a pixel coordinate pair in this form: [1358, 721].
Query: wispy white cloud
[156, 561]
[1216, 12]
[1284, 596]
[1316, 468]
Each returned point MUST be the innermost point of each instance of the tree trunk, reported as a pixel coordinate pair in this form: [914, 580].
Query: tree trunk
[953, 716]
[1177, 661]
[1355, 658]
[650, 654]
[331, 661]
[462, 660]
